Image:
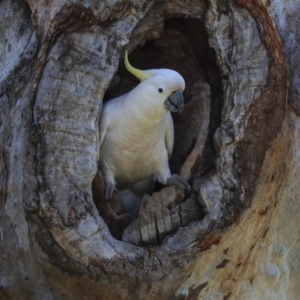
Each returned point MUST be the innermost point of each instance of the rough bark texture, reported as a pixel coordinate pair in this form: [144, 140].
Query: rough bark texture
[235, 236]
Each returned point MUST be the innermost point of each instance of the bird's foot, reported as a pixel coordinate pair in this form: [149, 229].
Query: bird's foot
[178, 181]
[109, 189]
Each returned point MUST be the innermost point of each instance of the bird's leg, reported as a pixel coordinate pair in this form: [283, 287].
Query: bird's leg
[109, 188]
[178, 181]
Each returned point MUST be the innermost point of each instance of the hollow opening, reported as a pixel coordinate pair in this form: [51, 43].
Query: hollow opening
[182, 46]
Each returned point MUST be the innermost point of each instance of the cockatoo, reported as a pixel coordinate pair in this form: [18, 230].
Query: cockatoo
[137, 137]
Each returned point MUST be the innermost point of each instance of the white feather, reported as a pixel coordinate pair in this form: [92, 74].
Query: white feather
[137, 134]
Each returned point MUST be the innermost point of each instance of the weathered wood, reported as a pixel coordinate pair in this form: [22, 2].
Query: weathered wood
[192, 131]
[57, 62]
[161, 215]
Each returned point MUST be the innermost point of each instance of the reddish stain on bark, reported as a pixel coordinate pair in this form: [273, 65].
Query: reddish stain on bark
[210, 239]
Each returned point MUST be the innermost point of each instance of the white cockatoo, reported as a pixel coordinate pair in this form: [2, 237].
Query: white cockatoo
[137, 137]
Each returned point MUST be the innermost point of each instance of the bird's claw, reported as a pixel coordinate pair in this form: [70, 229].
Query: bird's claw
[178, 181]
[109, 189]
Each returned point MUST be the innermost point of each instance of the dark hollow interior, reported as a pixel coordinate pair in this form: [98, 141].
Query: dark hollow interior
[182, 46]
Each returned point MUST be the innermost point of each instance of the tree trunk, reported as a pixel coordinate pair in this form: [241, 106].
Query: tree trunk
[235, 235]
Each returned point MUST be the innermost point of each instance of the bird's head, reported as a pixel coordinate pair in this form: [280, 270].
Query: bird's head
[161, 85]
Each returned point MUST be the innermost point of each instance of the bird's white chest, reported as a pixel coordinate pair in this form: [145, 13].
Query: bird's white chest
[134, 150]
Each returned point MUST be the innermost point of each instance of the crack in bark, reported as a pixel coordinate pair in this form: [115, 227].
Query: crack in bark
[3, 182]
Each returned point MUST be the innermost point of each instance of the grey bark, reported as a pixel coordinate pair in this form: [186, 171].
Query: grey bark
[58, 239]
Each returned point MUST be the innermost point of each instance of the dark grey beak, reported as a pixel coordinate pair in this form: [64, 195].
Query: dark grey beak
[175, 102]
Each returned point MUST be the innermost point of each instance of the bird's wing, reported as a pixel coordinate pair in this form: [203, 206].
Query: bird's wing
[169, 133]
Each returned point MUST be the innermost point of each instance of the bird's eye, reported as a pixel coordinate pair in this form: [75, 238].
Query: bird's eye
[160, 90]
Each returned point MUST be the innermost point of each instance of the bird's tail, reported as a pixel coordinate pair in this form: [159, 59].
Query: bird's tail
[130, 198]
[130, 203]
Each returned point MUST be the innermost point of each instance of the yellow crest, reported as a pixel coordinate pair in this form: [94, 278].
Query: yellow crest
[141, 75]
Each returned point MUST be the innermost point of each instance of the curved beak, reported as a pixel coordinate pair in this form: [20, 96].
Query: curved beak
[175, 102]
